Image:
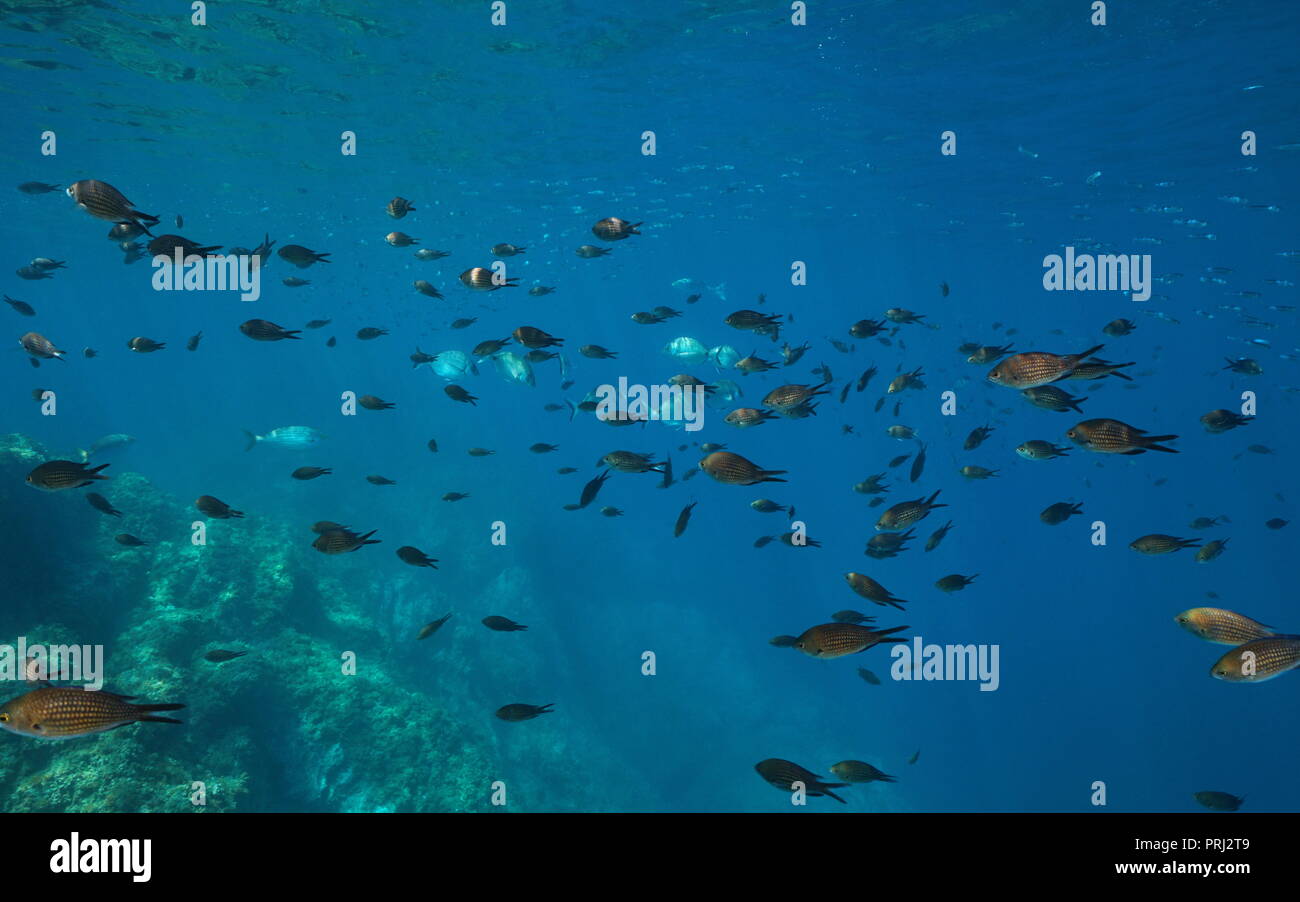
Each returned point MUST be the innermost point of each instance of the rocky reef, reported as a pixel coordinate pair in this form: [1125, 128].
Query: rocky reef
[284, 727]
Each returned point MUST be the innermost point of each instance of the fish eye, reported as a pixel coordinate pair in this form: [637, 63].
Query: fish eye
[4, 718]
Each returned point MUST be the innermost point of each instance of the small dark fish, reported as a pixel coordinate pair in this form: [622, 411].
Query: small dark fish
[430, 628]
[915, 756]
[432, 445]
[416, 558]
[265, 330]
[918, 465]
[592, 489]
[668, 472]
[193, 343]
[100, 503]
[899, 460]
[294, 282]
[318, 323]
[142, 345]
[683, 518]
[1276, 523]
[1218, 801]
[57, 475]
[763, 540]
[21, 307]
[517, 712]
[868, 676]
[379, 480]
[216, 509]
[128, 540]
[221, 655]
[865, 378]
[37, 188]
[305, 473]
[502, 624]
[89, 352]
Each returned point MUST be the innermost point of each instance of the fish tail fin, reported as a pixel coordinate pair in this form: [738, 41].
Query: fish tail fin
[767, 477]
[143, 715]
[891, 630]
[366, 540]
[252, 440]
[886, 778]
[827, 787]
[1088, 353]
[1149, 442]
[929, 502]
[546, 708]
[97, 469]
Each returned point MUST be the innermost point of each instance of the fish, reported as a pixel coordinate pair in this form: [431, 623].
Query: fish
[106, 443]
[103, 201]
[1031, 369]
[1059, 512]
[100, 503]
[860, 772]
[300, 256]
[1258, 660]
[57, 475]
[265, 330]
[871, 590]
[432, 627]
[905, 513]
[216, 509]
[592, 488]
[286, 437]
[611, 228]
[1218, 801]
[867, 676]
[1158, 543]
[38, 346]
[918, 465]
[340, 541]
[682, 519]
[835, 640]
[193, 343]
[503, 624]
[68, 712]
[373, 402]
[1114, 437]
[519, 711]
[1222, 626]
[142, 345]
[416, 558]
[785, 774]
[954, 582]
[37, 188]
[129, 540]
[22, 308]
[732, 469]
[398, 207]
[221, 655]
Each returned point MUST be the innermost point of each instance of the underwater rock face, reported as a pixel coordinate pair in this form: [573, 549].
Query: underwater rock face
[281, 728]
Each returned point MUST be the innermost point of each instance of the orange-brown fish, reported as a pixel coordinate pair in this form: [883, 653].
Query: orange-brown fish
[732, 469]
[400, 239]
[57, 475]
[66, 713]
[905, 513]
[835, 640]
[102, 201]
[1258, 660]
[1222, 626]
[786, 397]
[784, 774]
[399, 207]
[745, 417]
[1033, 368]
[612, 228]
[215, 508]
[481, 279]
[1113, 437]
